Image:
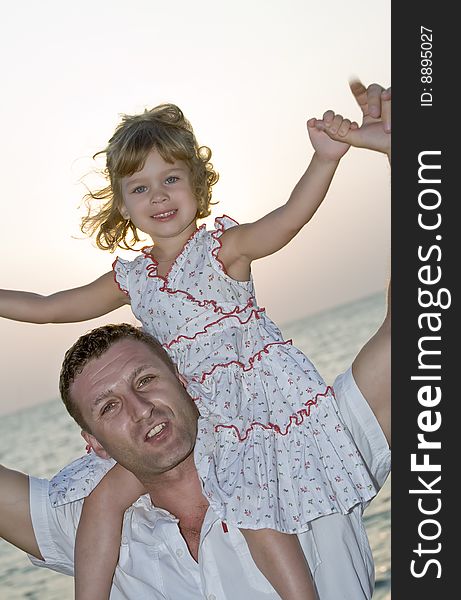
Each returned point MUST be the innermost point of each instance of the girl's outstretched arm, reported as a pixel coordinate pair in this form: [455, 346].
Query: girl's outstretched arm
[99, 533]
[69, 306]
[247, 242]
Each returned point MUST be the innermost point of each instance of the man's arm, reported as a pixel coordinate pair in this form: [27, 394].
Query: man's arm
[372, 372]
[15, 521]
[372, 366]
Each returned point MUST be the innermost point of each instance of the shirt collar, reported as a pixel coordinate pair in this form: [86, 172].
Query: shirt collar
[151, 515]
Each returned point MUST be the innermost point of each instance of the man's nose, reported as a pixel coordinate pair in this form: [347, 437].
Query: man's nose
[140, 407]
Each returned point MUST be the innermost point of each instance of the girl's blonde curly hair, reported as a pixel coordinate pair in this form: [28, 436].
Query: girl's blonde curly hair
[165, 129]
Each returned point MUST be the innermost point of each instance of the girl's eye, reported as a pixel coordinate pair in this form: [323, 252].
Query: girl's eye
[140, 189]
[171, 179]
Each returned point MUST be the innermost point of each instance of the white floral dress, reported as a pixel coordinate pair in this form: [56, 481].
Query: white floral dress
[271, 449]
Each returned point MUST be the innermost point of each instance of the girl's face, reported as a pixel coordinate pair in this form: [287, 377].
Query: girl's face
[159, 199]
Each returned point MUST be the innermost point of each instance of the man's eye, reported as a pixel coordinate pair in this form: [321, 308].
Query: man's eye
[144, 381]
[108, 408]
[139, 189]
[171, 179]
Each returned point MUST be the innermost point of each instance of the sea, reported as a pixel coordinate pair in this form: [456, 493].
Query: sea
[42, 439]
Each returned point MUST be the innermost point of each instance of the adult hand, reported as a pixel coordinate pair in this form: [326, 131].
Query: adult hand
[374, 102]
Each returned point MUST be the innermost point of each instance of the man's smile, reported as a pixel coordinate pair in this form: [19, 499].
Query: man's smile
[156, 431]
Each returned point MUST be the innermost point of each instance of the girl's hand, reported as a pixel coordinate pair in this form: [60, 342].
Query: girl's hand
[375, 130]
[327, 135]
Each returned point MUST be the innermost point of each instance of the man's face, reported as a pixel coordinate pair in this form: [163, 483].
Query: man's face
[137, 409]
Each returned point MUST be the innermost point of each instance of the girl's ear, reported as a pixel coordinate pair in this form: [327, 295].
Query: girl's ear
[94, 444]
[123, 211]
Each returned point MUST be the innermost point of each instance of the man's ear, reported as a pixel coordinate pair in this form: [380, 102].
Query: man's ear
[182, 379]
[93, 443]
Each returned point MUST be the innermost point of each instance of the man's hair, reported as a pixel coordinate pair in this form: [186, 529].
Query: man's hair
[165, 129]
[94, 344]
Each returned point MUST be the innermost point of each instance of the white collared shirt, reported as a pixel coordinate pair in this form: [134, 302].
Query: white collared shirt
[155, 562]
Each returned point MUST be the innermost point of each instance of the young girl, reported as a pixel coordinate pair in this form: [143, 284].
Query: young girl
[271, 451]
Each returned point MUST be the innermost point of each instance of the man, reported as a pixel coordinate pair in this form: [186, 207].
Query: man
[151, 432]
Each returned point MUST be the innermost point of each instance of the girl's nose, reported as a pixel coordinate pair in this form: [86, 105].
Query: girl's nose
[159, 196]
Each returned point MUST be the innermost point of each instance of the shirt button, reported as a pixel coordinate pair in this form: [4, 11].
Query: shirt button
[179, 552]
[211, 597]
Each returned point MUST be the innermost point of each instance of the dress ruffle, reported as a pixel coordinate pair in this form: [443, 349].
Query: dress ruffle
[254, 487]
[241, 452]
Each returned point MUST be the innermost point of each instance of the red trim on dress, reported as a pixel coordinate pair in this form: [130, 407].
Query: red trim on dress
[153, 268]
[155, 263]
[255, 312]
[203, 303]
[297, 419]
[251, 360]
[152, 273]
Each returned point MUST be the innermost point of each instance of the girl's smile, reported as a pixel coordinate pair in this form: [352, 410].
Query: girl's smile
[165, 216]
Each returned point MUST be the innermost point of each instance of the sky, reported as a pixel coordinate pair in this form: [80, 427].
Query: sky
[247, 75]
